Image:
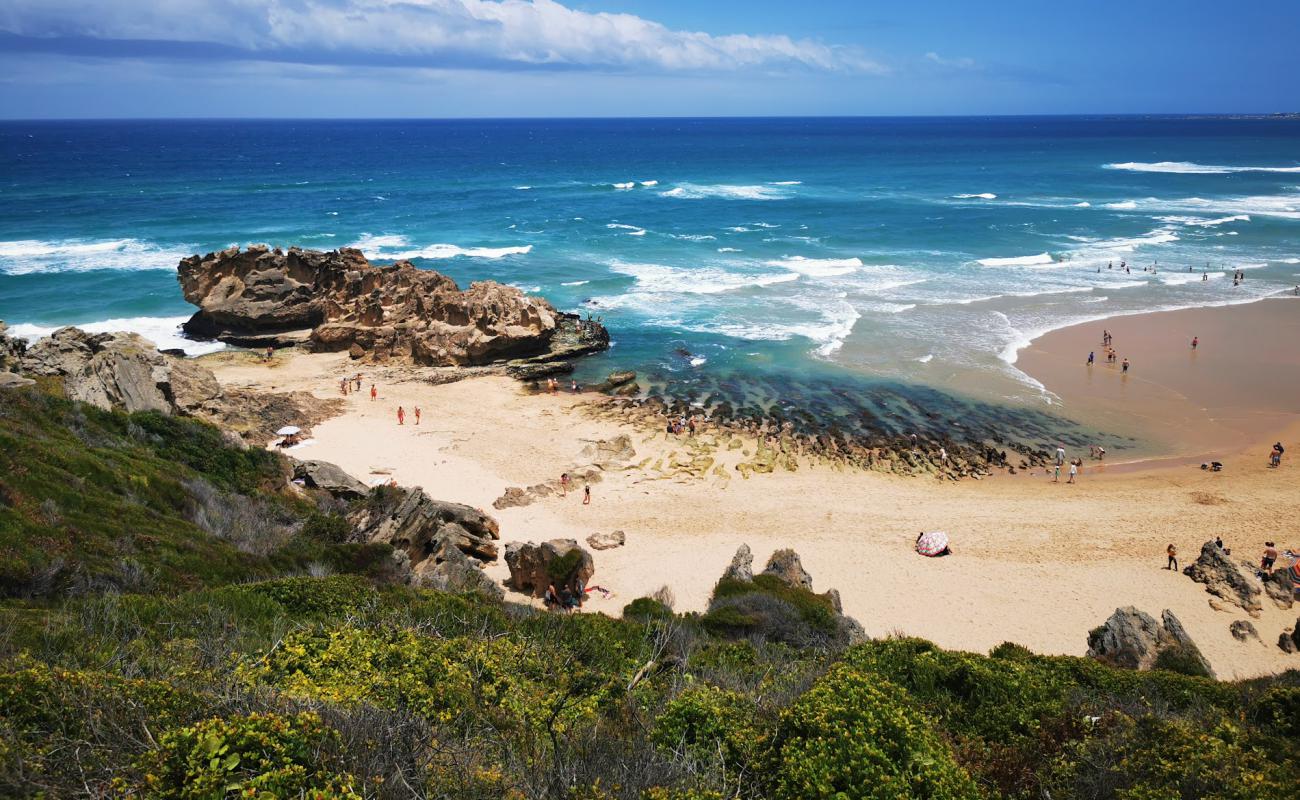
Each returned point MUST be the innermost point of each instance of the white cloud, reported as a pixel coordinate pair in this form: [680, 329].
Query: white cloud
[503, 34]
[951, 63]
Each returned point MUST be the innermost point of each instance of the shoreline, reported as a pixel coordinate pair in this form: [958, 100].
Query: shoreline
[1016, 538]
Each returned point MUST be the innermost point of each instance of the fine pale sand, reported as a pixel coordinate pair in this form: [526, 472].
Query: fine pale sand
[1035, 562]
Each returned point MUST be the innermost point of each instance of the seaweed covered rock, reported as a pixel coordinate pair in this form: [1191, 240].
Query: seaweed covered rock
[1133, 639]
[338, 301]
[1224, 578]
[533, 567]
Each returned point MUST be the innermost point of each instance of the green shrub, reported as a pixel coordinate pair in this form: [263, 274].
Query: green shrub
[334, 596]
[644, 609]
[330, 528]
[707, 723]
[258, 755]
[854, 736]
[562, 569]
[1181, 660]
[767, 607]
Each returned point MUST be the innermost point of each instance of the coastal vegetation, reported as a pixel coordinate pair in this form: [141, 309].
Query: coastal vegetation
[178, 622]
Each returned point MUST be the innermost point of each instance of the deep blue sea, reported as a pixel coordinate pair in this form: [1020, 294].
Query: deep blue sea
[920, 252]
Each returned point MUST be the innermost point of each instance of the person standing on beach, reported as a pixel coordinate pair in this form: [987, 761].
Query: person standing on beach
[1125, 365]
[586, 495]
[564, 484]
[401, 416]
[1092, 356]
[373, 393]
[1195, 341]
[1060, 455]
[1172, 553]
[1270, 558]
[1074, 470]
[417, 415]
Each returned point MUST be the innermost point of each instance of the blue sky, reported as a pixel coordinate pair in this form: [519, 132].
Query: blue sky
[474, 58]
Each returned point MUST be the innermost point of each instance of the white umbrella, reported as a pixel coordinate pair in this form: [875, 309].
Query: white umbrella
[288, 430]
[932, 543]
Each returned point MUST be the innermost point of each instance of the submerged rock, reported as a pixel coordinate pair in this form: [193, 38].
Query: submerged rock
[376, 313]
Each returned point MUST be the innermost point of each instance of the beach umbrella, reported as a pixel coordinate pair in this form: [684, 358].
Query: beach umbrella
[288, 430]
[932, 543]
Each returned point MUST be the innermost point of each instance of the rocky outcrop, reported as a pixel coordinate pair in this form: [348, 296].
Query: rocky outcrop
[329, 478]
[448, 569]
[410, 520]
[1289, 639]
[741, 567]
[597, 458]
[1225, 579]
[1242, 630]
[618, 383]
[11, 349]
[533, 567]
[1133, 639]
[785, 564]
[1280, 588]
[606, 541]
[374, 313]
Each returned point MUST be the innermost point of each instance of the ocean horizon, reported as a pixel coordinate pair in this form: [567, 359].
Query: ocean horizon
[781, 252]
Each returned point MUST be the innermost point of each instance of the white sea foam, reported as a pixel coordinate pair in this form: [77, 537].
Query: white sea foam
[693, 237]
[786, 183]
[165, 332]
[818, 267]
[1181, 278]
[723, 191]
[523, 188]
[925, 359]
[661, 279]
[626, 185]
[730, 250]
[1084, 204]
[764, 225]
[1204, 222]
[649, 183]
[697, 361]
[980, 196]
[630, 230]
[1190, 168]
[1290, 260]
[396, 248]
[1123, 205]
[27, 256]
[1041, 259]
[740, 229]
[575, 283]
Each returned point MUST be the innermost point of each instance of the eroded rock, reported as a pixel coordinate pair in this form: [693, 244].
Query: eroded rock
[785, 564]
[1224, 578]
[329, 478]
[533, 567]
[410, 520]
[1133, 639]
[1242, 630]
[606, 541]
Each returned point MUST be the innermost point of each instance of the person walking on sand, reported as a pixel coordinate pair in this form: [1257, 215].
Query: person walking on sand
[1056, 473]
[401, 416]
[373, 393]
[1125, 365]
[564, 484]
[417, 415]
[1092, 356]
[1195, 341]
[1270, 558]
[1172, 553]
[586, 495]
[1060, 455]
[1074, 470]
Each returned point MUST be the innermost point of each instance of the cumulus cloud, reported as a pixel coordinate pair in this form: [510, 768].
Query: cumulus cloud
[502, 34]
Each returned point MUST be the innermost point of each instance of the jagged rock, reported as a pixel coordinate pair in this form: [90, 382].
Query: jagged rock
[785, 564]
[395, 312]
[609, 453]
[1224, 578]
[606, 541]
[408, 519]
[12, 380]
[330, 478]
[1133, 639]
[12, 349]
[512, 498]
[448, 569]
[742, 565]
[531, 569]
[1242, 630]
[1289, 640]
[1280, 588]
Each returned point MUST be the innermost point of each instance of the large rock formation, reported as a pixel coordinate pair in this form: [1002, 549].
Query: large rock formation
[1280, 588]
[785, 564]
[533, 567]
[1225, 579]
[329, 478]
[11, 349]
[410, 520]
[448, 569]
[339, 301]
[1133, 639]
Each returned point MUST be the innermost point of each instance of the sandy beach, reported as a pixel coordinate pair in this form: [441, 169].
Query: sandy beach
[1034, 562]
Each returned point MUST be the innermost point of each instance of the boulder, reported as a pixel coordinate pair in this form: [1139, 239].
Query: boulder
[12, 349]
[1242, 630]
[1133, 639]
[742, 565]
[1289, 640]
[785, 564]
[1280, 588]
[609, 453]
[533, 567]
[375, 313]
[1225, 579]
[12, 380]
[615, 382]
[410, 520]
[448, 569]
[606, 541]
[513, 497]
[329, 478]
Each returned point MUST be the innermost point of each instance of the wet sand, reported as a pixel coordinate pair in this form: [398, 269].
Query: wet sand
[1240, 385]
[1035, 562]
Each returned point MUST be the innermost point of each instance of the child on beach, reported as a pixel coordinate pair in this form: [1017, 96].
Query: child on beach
[417, 415]
[1172, 553]
[1092, 355]
[1074, 470]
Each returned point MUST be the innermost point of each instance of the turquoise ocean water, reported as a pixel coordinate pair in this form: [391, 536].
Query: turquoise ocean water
[908, 253]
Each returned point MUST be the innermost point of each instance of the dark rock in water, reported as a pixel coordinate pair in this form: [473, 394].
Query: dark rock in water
[1133, 639]
[533, 567]
[1224, 578]
[785, 564]
[615, 382]
[329, 478]
[1242, 630]
[396, 312]
[410, 520]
